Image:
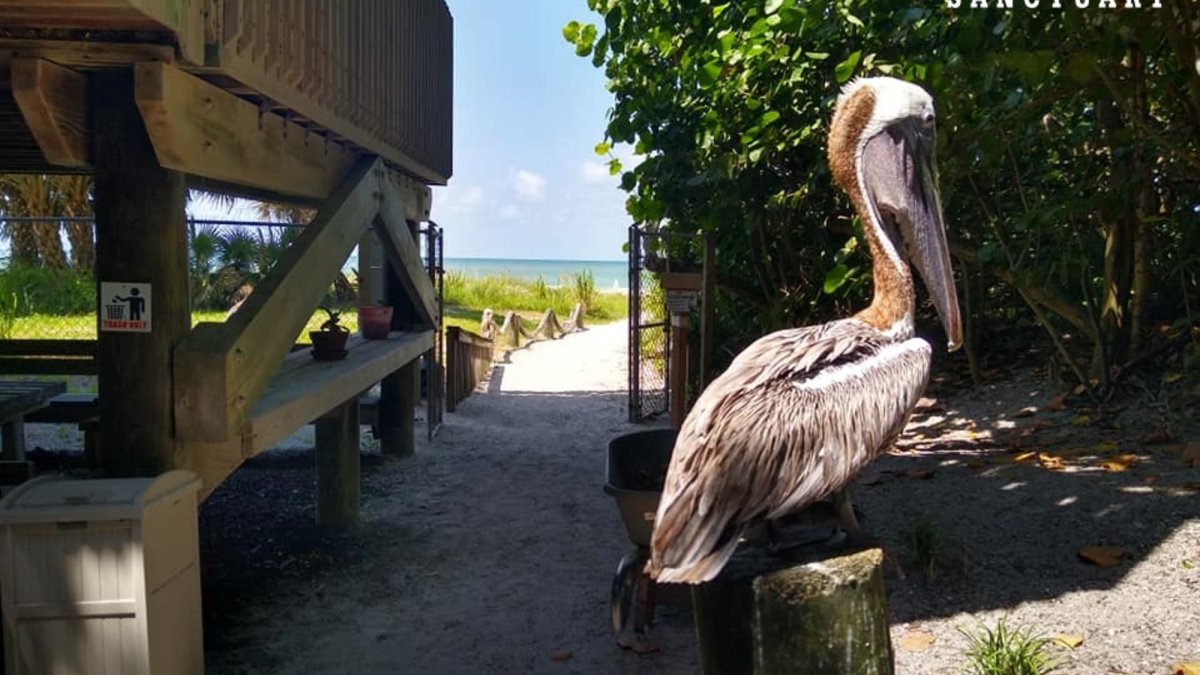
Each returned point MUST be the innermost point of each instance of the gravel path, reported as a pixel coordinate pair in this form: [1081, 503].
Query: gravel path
[492, 550]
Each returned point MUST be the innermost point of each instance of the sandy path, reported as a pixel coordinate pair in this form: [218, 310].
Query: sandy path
[494, 547]
[489, 551]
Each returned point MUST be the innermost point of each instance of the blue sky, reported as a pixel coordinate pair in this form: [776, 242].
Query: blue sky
[527, 115]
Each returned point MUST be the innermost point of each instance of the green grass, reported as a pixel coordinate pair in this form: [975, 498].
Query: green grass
[470, 295]
[925, 544]
[83, 326]
[465, 298]
[1006, 650]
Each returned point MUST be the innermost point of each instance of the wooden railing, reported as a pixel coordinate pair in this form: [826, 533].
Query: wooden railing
[468, 359]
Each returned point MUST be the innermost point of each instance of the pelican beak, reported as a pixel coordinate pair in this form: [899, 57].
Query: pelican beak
[900, 173]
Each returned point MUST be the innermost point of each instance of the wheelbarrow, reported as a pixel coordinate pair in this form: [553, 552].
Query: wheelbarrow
[636, 469]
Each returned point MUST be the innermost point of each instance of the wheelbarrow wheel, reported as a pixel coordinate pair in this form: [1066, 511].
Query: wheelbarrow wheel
[625, 591]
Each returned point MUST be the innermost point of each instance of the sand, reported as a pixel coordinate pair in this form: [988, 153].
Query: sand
[493, 549]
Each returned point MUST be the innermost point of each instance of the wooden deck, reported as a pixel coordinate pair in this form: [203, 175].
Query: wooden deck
[367, 77]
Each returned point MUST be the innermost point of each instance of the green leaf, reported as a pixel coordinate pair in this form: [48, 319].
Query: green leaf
[614, 166]
[1079, 66]
[768, 117]
[571, 31]
[845, 69]
[603, 148]
[772, 6]
[835, 278]
[710, 72]
[854, 20]
[817, 56]
[585, 40]
[719, 10]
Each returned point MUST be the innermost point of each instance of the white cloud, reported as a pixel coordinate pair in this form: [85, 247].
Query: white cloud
[509, 211]
[529, 186]
[458, 199]
[595, 173]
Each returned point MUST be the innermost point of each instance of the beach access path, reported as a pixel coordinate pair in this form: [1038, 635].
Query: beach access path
[492, 550]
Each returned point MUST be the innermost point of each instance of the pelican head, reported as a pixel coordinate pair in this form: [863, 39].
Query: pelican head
[881, 150]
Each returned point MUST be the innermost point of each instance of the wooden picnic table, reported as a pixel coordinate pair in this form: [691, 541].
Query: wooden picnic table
[18, 398]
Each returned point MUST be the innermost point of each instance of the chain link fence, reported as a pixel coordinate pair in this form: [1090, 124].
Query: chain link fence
[48, 287]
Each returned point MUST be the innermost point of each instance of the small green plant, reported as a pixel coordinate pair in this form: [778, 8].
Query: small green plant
[332, 324]
[925, 544]
[1006, 650]
[584, 288]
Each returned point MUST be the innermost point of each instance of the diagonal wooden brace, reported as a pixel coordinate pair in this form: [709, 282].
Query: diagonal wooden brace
[221, 369]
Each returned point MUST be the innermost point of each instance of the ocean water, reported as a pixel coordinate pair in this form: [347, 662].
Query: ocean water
[609, 274]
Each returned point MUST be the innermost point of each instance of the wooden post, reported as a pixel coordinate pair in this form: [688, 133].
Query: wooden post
[824, 616]
[140, 238]
[338, 466]
[678, 368]
[708, 288]
[397, 391]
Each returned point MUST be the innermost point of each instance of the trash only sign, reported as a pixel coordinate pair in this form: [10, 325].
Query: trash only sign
[125, 307]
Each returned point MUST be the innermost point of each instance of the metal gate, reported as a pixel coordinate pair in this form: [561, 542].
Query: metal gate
[435, 382]
[649, 348]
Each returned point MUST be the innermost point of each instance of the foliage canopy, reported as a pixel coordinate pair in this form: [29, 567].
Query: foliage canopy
[1069, 148]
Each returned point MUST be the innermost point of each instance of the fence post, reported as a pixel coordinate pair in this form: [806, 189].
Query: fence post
[453, 367]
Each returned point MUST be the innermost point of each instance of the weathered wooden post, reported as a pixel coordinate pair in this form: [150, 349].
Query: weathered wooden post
[822, 615]
[141, 244]
[338, 466]
[682, 289]
[398, 391]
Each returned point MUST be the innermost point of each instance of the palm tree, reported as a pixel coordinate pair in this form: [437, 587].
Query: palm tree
[76, 198]
[39, 241]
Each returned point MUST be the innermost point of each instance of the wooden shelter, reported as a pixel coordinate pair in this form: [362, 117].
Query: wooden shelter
[343, 105]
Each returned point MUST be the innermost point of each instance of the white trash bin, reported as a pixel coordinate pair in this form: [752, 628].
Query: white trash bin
[101, 577]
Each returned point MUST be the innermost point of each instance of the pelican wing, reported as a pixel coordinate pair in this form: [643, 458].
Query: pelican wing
[795, 417]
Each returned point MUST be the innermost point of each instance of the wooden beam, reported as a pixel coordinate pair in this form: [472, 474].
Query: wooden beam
[53, 101]
[305, 389]
[203, 130]
[403, 253]
[221, 369]
[86, 55]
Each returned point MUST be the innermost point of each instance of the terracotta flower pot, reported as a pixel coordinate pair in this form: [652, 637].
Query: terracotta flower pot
[374, 321]
[328, 345]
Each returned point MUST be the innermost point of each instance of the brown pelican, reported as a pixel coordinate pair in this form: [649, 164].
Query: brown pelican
[800, 411]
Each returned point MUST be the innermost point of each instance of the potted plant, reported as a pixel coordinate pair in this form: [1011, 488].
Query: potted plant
[375, 321]
[329, 343]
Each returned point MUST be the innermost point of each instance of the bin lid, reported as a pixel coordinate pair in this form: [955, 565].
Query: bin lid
[50, 499]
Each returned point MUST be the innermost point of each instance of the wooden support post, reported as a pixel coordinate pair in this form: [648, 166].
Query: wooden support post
[140, 237]
[12, 439]
[826, 616]
[678, 368]
[338, 466]
[398, 391]
[708, 292]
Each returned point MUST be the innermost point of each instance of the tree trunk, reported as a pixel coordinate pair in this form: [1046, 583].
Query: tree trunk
[48, 235]
[1118, 249]
[823, 616]
[75, 192]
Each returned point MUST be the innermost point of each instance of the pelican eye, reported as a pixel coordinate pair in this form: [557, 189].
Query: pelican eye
[928, 118]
